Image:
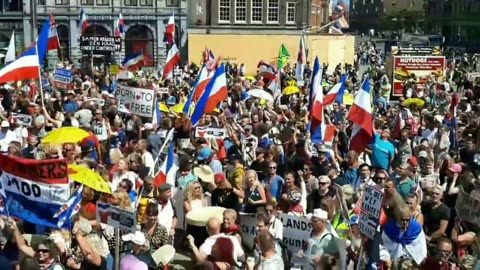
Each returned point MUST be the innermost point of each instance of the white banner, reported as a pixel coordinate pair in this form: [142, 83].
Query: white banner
[248, 225]
[23, 119]
[468, 207]
[139, 101]
[116, 217]
[370, 212]
[210, 133]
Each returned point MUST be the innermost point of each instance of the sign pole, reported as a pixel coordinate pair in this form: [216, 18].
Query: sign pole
[117, 249]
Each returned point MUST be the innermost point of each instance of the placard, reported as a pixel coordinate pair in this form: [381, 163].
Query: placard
[422, 50]
[468, 207]
[23, 119]
[62, 78]
[371, 208]
[116, 217]
[404, 67]
[248, 226]
[97, 101]
[100, 44]
[34, 189]
[137, 101]
[210, 133]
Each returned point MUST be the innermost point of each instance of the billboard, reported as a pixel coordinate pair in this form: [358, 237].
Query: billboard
[417, 68]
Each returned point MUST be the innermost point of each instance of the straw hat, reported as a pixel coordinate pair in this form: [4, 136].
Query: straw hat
[199, 217]
[205, 173]
[163, 255]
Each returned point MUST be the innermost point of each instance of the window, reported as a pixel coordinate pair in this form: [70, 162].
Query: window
[103, 2]
[290, 13]
[224, 11]
[272, 11]
[131, 3]
[171, 3]
[257, 11]
[240, 10]
[87, 2]
[61, 2]
[41, 2]
[146, 2]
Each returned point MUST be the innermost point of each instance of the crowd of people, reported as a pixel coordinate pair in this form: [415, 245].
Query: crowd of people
[422, 157]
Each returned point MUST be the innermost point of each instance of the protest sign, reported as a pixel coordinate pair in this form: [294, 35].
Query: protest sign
[210, 133]
[468, 207]
[137, 101]
[98, 44]
[24, 119]
[162, 90]
[34, 189]
[370, 211]
[97, 101]
[62, 78]
[296, 231]
[248, 225]
[116, 217]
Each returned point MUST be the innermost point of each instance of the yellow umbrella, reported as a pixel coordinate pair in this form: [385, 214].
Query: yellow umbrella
[291, 90]
[250, 78]
[179, 108]
[414, 101]
[164, 108]
[348, 99]
[89, 178]
[65, 135]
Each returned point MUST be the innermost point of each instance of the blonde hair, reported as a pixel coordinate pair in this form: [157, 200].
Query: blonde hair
[190, 191]
[245, 182]
[115, 155]
[124, 198]
[230, 212]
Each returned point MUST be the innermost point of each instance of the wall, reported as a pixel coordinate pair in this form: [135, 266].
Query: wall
[250, 49]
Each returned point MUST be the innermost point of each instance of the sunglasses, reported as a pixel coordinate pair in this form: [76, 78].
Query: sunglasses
[43, 251]
[323, 183]
[123, 186]
[380, 178]
[273, 167]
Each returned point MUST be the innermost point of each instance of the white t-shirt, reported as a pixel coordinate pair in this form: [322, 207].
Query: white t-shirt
[206, 247]
[6, 139]
[21, 133]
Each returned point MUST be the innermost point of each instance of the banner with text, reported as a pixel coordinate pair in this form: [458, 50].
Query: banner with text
[139, 101]
[370, 212]
[34, 189]
[468, 207]
[98, 44]
[62, 79]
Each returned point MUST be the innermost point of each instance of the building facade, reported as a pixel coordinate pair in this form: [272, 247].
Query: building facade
[145, 22]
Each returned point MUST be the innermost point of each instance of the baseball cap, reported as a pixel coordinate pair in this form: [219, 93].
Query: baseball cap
[423, 154]
[205, 153]
[137, 238]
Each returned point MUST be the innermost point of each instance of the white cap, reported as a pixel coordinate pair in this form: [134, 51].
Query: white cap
[148, 126]
[5, 124]
[137, 238]
[319, 213]
[422, 154]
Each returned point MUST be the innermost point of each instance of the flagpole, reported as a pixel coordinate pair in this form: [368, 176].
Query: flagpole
[167, 140]
[40, 79]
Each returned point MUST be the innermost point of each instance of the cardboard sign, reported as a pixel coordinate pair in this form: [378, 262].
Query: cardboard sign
[116, 217]
[137, 101]
[370, 211]
[468, 207]
[23, 119]
[100, 44]
[248, 225]
[210, 133]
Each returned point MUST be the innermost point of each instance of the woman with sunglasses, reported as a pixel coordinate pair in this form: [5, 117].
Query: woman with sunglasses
[155, 233]
[194, 197]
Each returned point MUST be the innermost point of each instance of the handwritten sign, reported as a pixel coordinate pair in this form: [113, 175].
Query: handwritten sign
[370, 211]
[468, 207]
[248, 225]
[137, 101]
[210, 133]
[116, 217]
[24, 119]
[97, 101]
[100, 44]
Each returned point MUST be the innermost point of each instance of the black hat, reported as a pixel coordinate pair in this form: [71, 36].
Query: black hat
[164, 187]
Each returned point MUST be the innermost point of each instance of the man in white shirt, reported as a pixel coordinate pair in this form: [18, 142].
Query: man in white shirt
[6, 136]
[213, 227]
[147, 157]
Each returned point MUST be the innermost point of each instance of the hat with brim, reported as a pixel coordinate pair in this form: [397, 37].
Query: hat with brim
[199, 216]
[205, 173]
[163, 255]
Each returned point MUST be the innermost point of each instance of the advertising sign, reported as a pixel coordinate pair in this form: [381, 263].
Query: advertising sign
[100, 44]
[137, 101]
[416, 69]
[370, 211]
[423, 50]
[62, 78]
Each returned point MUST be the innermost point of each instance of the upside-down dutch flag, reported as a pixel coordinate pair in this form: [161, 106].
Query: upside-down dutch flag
[361, 116]
[83, 21]
[120, 26]
[210, 60]
[173, 60]
[215, 93]
[169, 36]
[70, 208]
[320, 132]
[267, 71]
[203, 79]
[134, 60]
[337, 92]
[53, 41]
[168, 169]
[25, 67]
[301, 60]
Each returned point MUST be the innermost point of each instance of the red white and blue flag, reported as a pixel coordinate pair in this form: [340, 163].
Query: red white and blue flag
[168, 169]
[83, 21]
[173, 60]
[25, 67]
[169, 36]
[120, 26]
[210, 60]
[202, 81]
[267, 71]
[301, 60]
[361, 116]
[215, 92]
[70, 208]
[337, 92]
[53, 41]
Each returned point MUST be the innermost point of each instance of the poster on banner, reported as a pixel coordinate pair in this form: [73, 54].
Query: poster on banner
[248, 226]
[23, 119]
[468, 207]
[370, 211]
[116, 217]
[138, 101]
[34, 189]
[210, 133]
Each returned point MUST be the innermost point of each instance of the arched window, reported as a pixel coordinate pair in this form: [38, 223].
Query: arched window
[140, 38]
[96, 30]
[63, 37]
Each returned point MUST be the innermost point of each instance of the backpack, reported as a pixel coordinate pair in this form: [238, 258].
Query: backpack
[286, 255]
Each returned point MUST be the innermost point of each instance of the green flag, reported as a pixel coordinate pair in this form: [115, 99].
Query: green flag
[283, 56]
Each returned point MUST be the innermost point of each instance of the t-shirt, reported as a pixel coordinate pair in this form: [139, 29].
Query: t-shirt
[238, 252]
[382, 153]
[433, 216]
